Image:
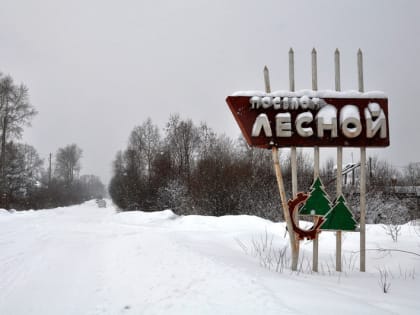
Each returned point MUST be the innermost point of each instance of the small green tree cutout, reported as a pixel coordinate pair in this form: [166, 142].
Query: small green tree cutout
[339, 218]
[318, 202]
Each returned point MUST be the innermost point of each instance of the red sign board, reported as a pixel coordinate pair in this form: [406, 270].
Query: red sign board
[305, 121]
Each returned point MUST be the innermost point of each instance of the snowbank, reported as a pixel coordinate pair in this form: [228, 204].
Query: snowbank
[89, 260]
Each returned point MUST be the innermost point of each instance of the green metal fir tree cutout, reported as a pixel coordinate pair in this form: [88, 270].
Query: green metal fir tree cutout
[339, 218]
[318, 202]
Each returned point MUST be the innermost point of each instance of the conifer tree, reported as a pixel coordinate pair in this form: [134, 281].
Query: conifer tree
[318, 202]
[339, 218]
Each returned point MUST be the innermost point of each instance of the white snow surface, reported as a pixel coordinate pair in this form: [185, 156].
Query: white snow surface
[89, 260]
[375, 109]
[349, 112]
[328, 114]
[312, 93]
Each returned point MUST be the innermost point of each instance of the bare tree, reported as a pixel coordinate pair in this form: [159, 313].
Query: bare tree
[381, 173]
[145, 141]
[183, 139]
[412, 174]
[304, 169]
[68, 162]
[328, 175]
[207, 141]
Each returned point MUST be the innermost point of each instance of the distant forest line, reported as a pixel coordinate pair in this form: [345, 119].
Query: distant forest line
[193, 170]
[186, 167]
[26, 180]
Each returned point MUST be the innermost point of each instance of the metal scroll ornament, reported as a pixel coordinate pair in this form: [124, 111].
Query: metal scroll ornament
[294, 205]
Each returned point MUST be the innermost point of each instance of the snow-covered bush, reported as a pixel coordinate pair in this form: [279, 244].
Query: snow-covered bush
[383, 207]
[174, 196]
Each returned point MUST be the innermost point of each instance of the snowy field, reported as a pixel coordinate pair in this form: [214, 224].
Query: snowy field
[86, 260]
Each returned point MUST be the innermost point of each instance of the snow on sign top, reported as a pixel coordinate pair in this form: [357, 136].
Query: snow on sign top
[309, 118]
[311, 93]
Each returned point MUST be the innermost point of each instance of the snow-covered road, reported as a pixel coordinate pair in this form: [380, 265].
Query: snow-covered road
[85, 260]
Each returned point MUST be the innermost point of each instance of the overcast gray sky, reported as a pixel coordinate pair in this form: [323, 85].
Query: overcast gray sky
[97, 68]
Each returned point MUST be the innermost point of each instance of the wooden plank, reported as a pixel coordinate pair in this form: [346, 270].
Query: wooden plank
[314, 70]
[293, 157]
[282, 191]
[291, 70]
[316, 162]
[338, 238]
[362, 177]
[267, 80]
[286, 214]
[337, 70]
[293, 153]
[362, 209]
[339, 165]
[315, 243]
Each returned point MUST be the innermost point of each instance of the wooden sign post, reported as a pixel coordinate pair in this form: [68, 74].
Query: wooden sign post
[282, 191]
[338, 191]
[362, 177]
[293, 152]
[313, 118]
[315, 246]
